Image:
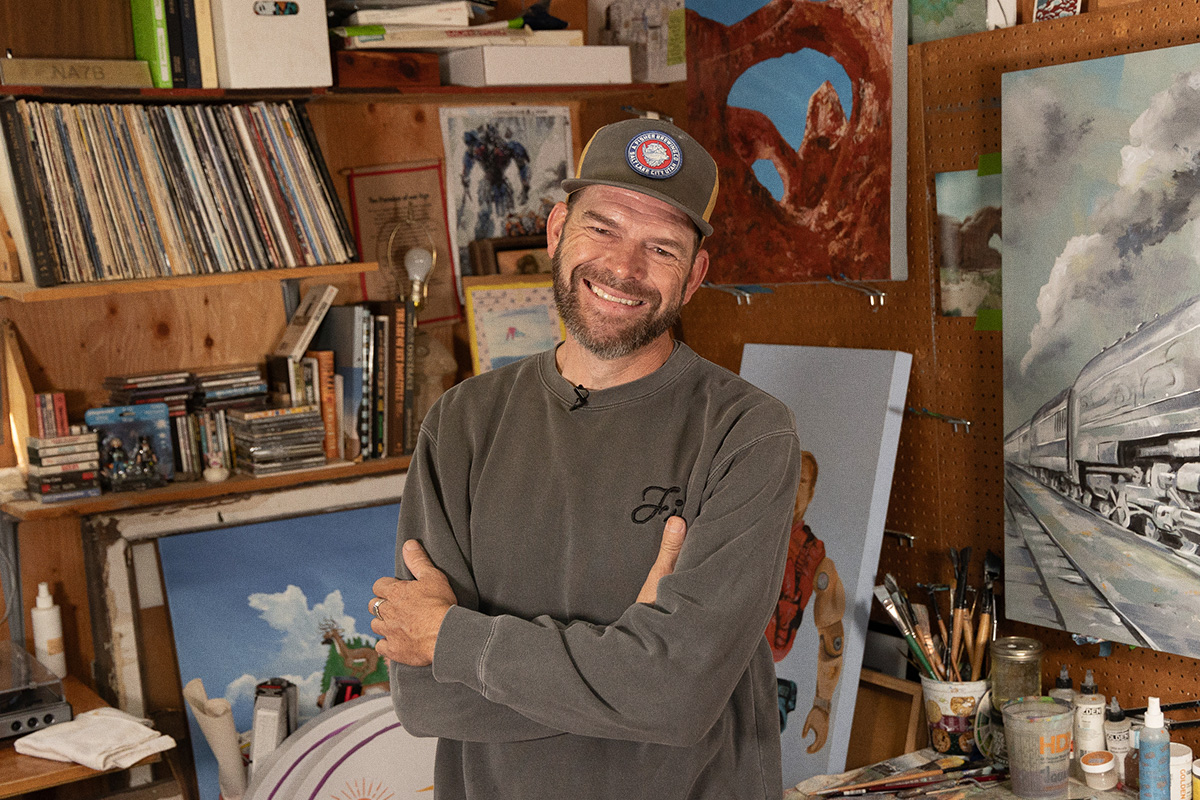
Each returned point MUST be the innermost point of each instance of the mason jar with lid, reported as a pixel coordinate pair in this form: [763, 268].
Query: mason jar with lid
[1016, 669]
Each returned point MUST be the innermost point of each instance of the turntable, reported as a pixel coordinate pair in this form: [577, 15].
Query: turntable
[31, 696]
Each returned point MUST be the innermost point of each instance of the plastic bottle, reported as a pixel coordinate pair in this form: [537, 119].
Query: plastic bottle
[48, 632]
[1089, 719]
[1063, 690]
[1117, 736]
[1154, 756]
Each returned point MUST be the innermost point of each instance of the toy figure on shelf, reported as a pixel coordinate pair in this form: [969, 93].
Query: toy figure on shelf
[119, 472]
[145, 462]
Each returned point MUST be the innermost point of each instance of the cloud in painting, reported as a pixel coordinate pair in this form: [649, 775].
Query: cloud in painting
[1099, 280]
[1050, 133]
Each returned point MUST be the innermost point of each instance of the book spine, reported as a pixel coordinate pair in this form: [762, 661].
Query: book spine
[66, 496]
[207, 46]
[379, 429]
[150, 42]
[174, 20]
[411, 423]
[191, 44]
[367, 401]
[39, 406]
[396, 398]
[29, 200]
[325, 383]
[90, 464]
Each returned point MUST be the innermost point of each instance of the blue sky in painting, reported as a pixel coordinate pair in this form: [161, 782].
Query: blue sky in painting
[779, 87]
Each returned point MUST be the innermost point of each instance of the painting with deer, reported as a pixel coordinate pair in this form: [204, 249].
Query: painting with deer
[286, 598]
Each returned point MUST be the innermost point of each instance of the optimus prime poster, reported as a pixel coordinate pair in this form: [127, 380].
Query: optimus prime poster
[848, 405]
[503, 168]
[1102, 347]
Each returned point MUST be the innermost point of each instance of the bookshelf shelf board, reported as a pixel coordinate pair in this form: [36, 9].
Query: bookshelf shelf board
[192, 491]
[353, 94]
[28, 293]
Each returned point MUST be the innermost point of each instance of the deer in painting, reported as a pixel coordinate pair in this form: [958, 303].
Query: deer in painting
[361, 661]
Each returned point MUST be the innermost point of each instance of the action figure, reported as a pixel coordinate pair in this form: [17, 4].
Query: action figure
[494, 154]
[145, 461]
[808, 568]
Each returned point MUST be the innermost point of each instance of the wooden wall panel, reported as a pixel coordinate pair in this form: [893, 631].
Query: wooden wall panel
[948, 486]
[66, 28]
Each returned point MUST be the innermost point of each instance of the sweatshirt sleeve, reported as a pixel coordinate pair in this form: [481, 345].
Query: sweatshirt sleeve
[425, 706]
[661, 673]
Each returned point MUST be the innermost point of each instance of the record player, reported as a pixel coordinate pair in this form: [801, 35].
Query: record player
[31, 696]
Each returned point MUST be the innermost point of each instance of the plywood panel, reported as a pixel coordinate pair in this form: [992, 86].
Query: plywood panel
[52, 551]
[66, 28]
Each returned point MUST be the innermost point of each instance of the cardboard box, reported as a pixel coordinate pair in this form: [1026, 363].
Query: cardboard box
[654, 31]
[536, 66]
[271, 45]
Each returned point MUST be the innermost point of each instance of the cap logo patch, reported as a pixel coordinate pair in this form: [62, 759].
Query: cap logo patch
[654, 154]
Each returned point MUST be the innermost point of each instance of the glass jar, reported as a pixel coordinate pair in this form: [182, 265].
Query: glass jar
[1016, 669]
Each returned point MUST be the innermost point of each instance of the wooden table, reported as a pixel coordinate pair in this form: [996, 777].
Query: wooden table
[20, 773]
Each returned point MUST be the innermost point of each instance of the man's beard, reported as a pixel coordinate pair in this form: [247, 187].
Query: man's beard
[632, 336]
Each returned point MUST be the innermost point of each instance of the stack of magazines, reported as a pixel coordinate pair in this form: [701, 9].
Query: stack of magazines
[146, 191]
[273, 440]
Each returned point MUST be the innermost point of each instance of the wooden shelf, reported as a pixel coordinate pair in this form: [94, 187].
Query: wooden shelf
[117, 95]
[28, 293]
[193, 491]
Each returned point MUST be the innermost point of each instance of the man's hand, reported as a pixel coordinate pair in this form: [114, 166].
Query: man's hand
[412, 611]
[668, 554]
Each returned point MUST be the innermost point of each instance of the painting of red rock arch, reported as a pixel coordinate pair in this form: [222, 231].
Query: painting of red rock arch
[839, 205]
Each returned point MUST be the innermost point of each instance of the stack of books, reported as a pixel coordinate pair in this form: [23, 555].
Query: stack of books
[273, 440]
[172, 388]
[64, 467]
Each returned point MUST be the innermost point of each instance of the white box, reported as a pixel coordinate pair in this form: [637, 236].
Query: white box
[259, 49]
[536, 66]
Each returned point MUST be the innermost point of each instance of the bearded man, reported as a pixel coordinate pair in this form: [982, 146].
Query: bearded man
[592, 539]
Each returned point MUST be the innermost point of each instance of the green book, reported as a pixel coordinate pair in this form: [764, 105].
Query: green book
[150, 39]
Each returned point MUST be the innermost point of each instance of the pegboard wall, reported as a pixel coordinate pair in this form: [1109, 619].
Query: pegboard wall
[948, 487]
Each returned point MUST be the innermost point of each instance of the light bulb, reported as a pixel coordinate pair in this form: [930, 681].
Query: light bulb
[417, 263]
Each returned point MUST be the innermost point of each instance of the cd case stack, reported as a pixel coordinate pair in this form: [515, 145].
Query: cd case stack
[64, 468]
[275, 440]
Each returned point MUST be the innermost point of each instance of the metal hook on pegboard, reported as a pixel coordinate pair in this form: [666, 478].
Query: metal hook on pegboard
[872, 293]
[904, 538]
[954, 422]
[743, 292]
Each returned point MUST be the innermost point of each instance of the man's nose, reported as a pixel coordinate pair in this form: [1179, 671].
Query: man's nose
[627, 259]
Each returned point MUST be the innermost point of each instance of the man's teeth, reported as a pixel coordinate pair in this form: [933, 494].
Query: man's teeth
[606, 296]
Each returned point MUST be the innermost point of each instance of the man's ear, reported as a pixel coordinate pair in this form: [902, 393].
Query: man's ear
[554, 227]
[698, 273]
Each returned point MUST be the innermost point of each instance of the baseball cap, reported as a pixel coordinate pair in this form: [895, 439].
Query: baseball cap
[653, 157]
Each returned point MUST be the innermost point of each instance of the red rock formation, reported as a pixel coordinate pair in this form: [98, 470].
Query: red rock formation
[835, 214]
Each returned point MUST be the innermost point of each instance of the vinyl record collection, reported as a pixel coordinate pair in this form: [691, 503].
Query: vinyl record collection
[118, 191]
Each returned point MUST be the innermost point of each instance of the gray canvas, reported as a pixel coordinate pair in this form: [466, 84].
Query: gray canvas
[848, 405]
[1102, 347]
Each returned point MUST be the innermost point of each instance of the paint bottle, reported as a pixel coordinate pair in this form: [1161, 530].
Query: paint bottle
[1181, 771]
[48, 632]
[1154, 756]
[1117, 736]
[1063, 690]
[1089, 719]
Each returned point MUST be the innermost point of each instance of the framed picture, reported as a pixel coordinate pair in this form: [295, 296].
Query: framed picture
[511, 255]
[510, 317]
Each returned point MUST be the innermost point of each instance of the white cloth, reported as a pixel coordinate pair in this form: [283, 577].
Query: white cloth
[103, 739]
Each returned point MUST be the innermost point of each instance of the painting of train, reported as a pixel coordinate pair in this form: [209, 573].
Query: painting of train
[1101, 292]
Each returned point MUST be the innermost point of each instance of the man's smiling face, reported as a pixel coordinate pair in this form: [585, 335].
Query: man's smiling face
[624, 265]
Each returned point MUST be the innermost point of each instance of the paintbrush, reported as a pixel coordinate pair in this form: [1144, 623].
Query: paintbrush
[925, 636]
[881, 594]
[896, 781]
[910, 617]
[982, 635]
[962, 560]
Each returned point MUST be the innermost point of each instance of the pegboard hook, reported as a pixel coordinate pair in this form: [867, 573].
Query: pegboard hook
[904, 538]
[872, 294]
[954, 422]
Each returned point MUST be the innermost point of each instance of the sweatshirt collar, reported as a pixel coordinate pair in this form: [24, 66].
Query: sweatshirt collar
[681, 356]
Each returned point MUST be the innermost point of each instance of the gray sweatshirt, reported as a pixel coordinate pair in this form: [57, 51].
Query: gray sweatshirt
[548, 679]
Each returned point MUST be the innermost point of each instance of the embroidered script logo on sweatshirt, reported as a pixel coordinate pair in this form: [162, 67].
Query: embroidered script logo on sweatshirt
[658, 503]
